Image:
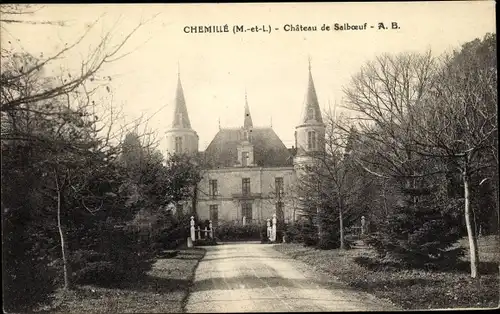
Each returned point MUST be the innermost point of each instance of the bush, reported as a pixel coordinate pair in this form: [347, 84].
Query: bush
[263, 234]
[205, 242]
[309, 233]
[121, 256]
[420, 235]
[293, 233]
[233, 232]
[28, 278]
[175, 233]
[302, 231]
[100, 273]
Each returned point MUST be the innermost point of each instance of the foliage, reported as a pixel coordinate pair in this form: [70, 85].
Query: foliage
[421, 117]
[60, 163]
[205, 242]
[238, 232]
[176, 233]
[420, 233]
[293, 233]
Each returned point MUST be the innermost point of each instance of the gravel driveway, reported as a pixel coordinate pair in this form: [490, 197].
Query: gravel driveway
[252, 277]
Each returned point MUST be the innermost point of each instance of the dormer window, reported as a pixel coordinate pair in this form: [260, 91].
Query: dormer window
[244, 159]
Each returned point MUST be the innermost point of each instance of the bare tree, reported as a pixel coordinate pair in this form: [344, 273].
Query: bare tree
[459, 121]
[64, 106]
[416, 113]
[341, 181]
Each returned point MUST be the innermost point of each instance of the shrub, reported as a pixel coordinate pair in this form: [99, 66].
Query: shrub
[419, 235]
[309, 233]
[100, 273]
[175, 233]
[293, 233]
[233, 232]
[121, 256]
[205, 242]
[28, 278]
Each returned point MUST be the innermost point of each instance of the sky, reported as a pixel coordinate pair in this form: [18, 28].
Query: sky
[217, 68]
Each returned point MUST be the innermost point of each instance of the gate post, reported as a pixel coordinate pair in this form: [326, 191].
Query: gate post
[363, 225]
[268, 229]
[199, 232]
[244, 220]
[193, 236]
[273, 230]
[211, 229]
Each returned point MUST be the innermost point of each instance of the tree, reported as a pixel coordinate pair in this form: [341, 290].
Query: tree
[388, 94]
[458, 121]
[53, 141]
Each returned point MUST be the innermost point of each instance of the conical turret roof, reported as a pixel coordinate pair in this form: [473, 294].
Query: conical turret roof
[248, 118]
[312, 112]
[181, 117]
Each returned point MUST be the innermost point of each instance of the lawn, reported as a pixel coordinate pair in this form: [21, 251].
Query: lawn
[163, 290]
[411, 289]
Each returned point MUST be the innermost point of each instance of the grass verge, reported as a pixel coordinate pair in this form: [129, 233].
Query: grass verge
[411, 289]
[164, 289]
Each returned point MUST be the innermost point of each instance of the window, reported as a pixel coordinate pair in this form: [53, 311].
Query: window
[214, 214]
[178, 144]
[278, 183]
[311, 140]
[213, 188]
[245, 186]
[247, 135]
[244, 159]
[246, 211]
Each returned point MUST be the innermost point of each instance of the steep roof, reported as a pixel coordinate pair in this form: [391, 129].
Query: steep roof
[248, 118]
[269, 150]
[311, 105]
[181, 117]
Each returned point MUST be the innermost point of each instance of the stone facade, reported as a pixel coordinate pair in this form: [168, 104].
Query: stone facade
[223, 196]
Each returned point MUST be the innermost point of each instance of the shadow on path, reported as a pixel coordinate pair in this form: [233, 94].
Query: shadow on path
[253, 282]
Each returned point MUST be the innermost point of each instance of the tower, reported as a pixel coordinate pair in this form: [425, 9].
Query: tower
[245, 147]
[310, 133]
[181, 138]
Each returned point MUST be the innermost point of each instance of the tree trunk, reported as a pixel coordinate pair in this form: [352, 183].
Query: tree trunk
[342, 244]
[194, 200]
[67, 282]
[319, 222]
[473, 250]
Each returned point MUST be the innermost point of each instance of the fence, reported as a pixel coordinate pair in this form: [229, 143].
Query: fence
[208, 232]
[196, 233]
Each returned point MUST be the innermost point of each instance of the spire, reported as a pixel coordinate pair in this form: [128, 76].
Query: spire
[181, 118]
[248, 118]
[311, 106]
